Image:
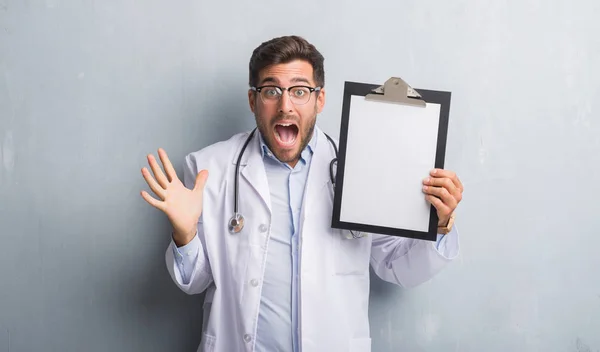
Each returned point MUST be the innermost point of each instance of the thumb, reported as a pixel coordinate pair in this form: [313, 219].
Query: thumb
[201, 180]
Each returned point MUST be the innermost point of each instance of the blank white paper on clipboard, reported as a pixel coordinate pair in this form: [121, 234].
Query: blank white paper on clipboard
[386, 151]
[393, 146]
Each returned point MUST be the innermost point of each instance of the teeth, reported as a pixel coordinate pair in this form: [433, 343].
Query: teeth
[284, 124]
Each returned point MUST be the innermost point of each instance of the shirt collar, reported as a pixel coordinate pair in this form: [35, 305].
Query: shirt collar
[308, 150]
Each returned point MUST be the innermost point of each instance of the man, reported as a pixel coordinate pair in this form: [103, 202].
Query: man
[286, 281]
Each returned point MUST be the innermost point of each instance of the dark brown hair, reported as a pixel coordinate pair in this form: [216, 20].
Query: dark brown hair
[282, 50]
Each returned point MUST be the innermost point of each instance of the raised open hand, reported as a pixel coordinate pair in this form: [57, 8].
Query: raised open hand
[182, 206]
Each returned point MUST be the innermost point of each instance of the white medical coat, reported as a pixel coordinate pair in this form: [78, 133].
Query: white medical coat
[333, 270]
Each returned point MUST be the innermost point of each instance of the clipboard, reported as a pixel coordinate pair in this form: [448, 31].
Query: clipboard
[391, 136]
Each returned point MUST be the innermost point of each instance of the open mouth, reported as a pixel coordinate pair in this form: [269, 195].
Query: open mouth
[286, 133]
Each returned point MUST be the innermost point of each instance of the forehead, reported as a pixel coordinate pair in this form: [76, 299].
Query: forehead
[290, 72]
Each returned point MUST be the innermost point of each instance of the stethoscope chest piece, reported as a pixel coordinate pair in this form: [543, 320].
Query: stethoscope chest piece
[236, 223]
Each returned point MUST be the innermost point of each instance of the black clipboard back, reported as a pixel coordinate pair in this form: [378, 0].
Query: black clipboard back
[397, 91]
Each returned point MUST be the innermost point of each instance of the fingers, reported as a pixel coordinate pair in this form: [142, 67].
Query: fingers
[444, 191]
[154, 186]
[442, 209]
[446, 183]
[443, 194]
[169, 169]
[441, 173]
[442, 182]
[154, 202]
[201, 178]
[156, 170]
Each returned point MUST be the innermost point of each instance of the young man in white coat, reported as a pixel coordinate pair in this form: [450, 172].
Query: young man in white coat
[286, 281]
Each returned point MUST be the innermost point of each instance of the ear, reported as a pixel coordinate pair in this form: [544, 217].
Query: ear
[320, 101]
[251, 100]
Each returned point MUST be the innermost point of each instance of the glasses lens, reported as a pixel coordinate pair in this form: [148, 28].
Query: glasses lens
[300, 95]
[270, 94]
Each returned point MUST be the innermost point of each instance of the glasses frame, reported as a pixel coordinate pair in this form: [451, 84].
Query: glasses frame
[281, 90]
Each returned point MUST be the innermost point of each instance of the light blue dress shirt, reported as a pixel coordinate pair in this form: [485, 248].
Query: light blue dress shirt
[277, 328]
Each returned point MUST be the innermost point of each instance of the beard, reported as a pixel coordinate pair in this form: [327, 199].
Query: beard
[305, 132]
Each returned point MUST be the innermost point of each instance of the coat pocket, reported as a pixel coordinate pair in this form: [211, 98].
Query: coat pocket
[352, 255]
[208, 342]
[360, 345]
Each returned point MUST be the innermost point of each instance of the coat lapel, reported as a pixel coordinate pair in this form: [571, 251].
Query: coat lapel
[319, 176]
[252, 170]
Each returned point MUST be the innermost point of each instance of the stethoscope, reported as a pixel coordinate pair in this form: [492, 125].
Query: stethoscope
[236, 223]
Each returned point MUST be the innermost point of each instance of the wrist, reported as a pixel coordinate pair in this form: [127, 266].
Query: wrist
[447, 227]
[183, 239]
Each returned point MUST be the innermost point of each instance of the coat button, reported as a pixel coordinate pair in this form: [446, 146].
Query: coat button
[263, 228]
[247, 338]
[254, 282]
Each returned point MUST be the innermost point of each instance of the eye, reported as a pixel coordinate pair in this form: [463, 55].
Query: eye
[270, 92]
[300, 92]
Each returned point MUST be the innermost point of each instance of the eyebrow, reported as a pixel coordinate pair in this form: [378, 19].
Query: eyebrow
[270, 79]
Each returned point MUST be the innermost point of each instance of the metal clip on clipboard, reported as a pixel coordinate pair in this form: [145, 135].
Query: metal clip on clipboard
[395, 90]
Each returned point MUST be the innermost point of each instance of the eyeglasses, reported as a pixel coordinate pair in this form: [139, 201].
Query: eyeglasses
[298, 94]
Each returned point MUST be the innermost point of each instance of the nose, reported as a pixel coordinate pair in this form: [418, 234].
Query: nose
[285, 103]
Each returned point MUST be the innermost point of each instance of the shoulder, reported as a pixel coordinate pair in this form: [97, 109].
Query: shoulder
[219, 149]
[216, 157]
